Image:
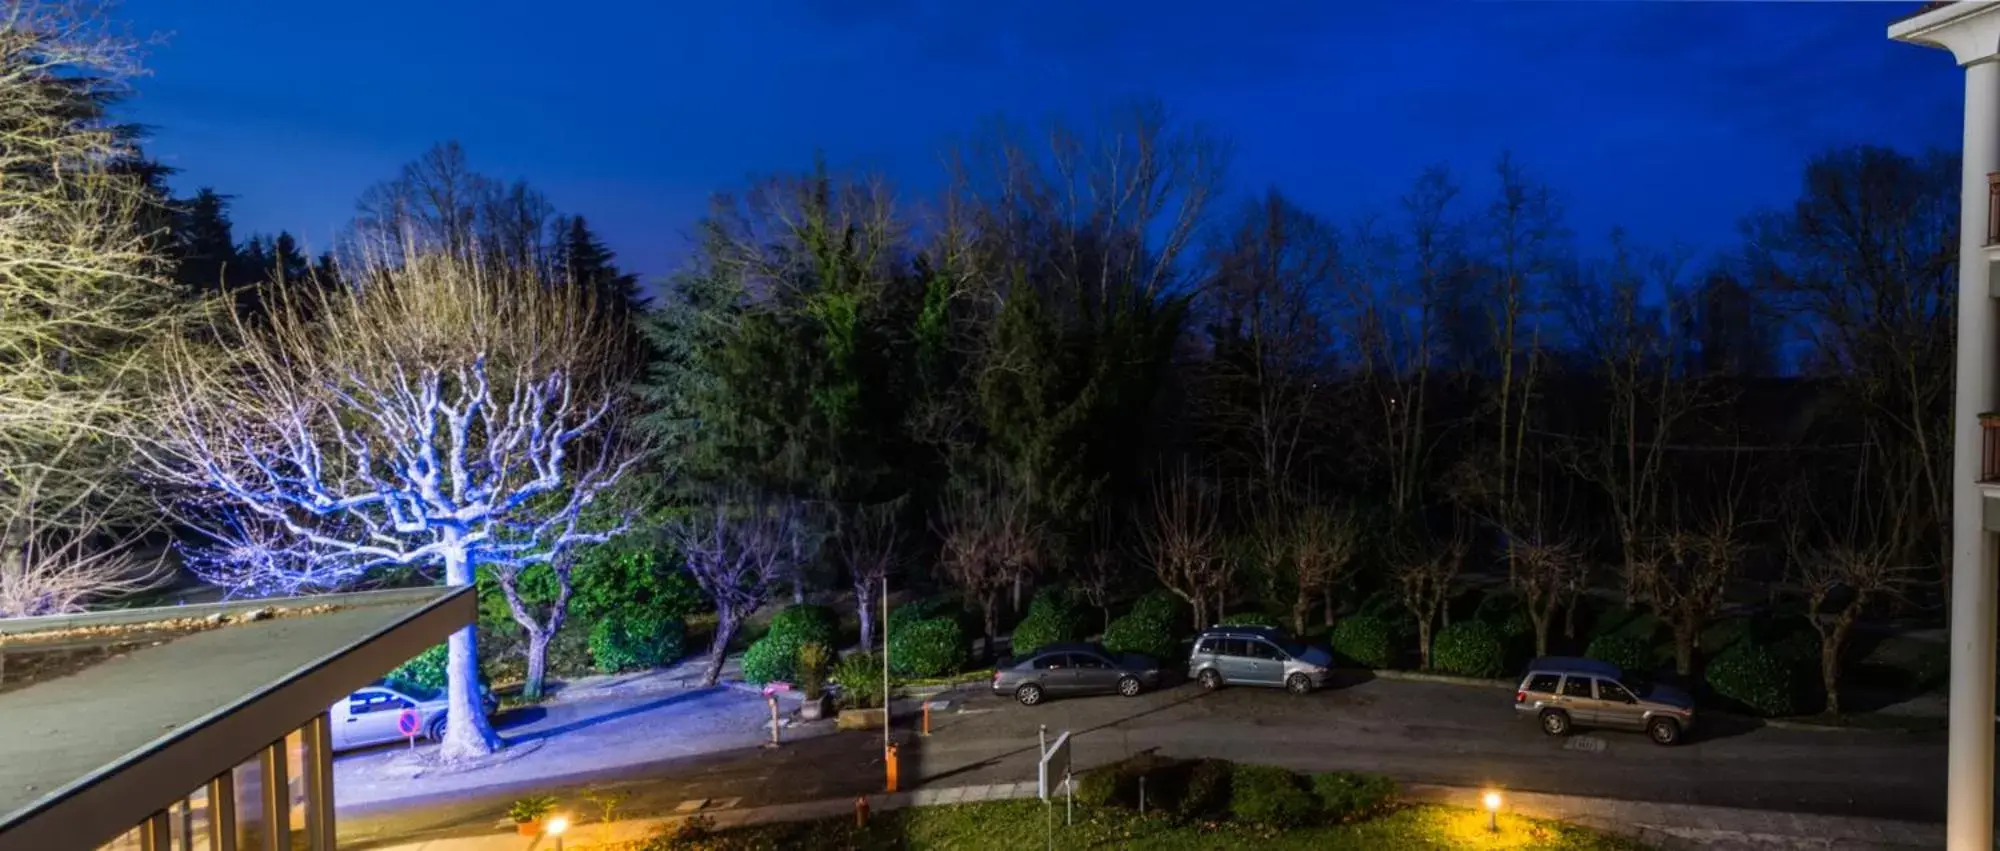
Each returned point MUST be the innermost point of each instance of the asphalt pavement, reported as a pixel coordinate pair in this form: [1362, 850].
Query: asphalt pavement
[660, 753]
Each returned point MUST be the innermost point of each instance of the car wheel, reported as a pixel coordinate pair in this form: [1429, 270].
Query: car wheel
[1029, 694]
[434, 730]
[1555, 722]
[1210, 680]
[1663, 731]
[1129, 686]
[1298, 684]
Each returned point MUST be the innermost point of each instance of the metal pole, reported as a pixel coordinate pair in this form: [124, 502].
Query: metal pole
[1069, 802]
[885, 663]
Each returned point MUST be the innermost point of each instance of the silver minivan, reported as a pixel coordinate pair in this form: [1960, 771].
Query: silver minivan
[1562, 693]
[1256, 656]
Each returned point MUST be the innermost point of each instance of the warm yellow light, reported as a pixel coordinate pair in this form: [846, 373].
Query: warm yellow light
[1493, 801]
[557, 825]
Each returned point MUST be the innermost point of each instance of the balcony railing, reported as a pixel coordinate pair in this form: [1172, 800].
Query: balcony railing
[1989, 448]
[1993, 208]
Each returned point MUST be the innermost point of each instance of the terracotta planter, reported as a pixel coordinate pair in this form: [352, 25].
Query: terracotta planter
[859, 719]
[813, 709]
[529, 828]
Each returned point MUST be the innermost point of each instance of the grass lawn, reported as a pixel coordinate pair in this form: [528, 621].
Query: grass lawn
[1013, 825]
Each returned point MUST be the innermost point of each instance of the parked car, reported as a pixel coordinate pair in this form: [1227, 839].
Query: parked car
[372, 715]
[1257, 656]
[1563, 693]
[1069, 670]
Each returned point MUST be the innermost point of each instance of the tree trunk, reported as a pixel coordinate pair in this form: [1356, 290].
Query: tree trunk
[989, 615]
[538, 664]
[1569, 616]
[1541, 618]
[1830, 646]
[1300, 607]
[1015, 604]
[718, 648]
[864, 606]
[1685, 634]
[467, 733]
[1424, 643]
[798, 590]
[1329, 607]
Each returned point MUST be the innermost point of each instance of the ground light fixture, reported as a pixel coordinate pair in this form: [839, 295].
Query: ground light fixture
[1492, 800]
[555, 828]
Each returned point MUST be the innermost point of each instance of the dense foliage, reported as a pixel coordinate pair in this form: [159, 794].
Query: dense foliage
[1469, 649]
[1756, 677]
[929, 648]
[636, 642]
[1054, 616]
[774, 657]
[1145, 633]
[1368, 641]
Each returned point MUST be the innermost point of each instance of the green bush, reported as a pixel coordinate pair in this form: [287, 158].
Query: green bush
[427, 671]
[1207, 791]
[1054, 616]
[1144, 633]
[860, 678]
[1347, 797]
[1162, 606]
[929, 648]
[1629, 652]
[1366, 640]
[1271, 797]
[1469, 649]
[1117, 784]
[633, 576]
[1504, 611]
[636, 643]
[774, 658]
[1757, 678]
[924, 609]
[1251, 619]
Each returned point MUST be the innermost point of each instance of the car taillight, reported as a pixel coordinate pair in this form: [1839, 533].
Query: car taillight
[1520, 697]
[996, 675]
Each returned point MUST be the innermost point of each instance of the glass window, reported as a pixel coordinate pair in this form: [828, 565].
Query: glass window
[1576, 686]
[1263, 650]
[1609, 690]
[364, 702]
[1543, 683]
[1088, 661]
[190, 820]
[1052, 662]
[1209, 646]
[1230, 647]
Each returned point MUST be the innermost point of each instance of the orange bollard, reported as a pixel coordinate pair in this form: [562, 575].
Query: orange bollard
[889, 761]
[927, 720]
[861, 811]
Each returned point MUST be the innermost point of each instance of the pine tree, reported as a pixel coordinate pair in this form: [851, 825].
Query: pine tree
[586, 260]
[204, 245]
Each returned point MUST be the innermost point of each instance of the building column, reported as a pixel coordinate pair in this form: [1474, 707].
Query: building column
[1975, 595]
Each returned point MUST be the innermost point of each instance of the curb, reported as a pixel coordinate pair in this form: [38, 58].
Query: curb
[1445, 679]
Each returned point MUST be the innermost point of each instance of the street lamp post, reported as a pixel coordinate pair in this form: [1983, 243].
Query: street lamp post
[555, 828]
[1493, 811]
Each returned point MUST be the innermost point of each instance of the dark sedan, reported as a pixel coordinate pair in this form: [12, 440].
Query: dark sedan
[1068, 670]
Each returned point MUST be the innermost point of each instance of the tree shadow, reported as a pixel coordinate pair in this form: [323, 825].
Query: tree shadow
[627, 712]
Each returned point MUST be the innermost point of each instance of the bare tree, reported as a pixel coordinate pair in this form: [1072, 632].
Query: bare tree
[56, 560]
[448, 414]
[1525, 228]
[1839, 567]
[1424, 583]
[738, 551]
[1182, 539]
[989, 541]
[1686, 582]
[1546, 574]
[868, 546]
[1322, 544]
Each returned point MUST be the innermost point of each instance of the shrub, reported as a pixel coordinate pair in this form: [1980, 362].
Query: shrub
[1053, 617]
[427, 671]
[860, 679]
[1469, 649]
[636, 642]
[774, 657]
[1117, 784]
[1753, 675]
[1503, 611]
[1251, 619]
[1207, 791]
[1272, 797]
[922, 610]
[1365, 640]
[928, 648]
[1629, 652]
[627, 577]
[1347, 797]
[812, 664]
[1144, 633]
[1162, 606]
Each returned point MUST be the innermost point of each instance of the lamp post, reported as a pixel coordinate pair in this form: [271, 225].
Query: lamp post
[1493, 811]
[555, 828]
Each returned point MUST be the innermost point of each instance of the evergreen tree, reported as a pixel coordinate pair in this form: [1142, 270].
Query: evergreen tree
[204, 244]
[586, 260]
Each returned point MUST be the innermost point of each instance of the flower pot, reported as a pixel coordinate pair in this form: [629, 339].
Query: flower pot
[529, 828]
[859, 719]
[813, 709]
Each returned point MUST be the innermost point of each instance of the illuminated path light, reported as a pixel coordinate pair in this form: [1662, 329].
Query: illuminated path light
[1971, 31]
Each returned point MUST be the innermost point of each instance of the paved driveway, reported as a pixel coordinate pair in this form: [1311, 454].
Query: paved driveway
[1415, 732]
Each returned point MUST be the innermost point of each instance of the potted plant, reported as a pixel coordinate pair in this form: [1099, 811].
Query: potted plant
[528, 813]
[813, 662]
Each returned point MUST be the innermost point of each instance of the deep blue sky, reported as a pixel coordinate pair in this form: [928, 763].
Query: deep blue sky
[1671, 119]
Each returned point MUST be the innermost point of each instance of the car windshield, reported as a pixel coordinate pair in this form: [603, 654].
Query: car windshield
[1639, 686]
[1293, 649]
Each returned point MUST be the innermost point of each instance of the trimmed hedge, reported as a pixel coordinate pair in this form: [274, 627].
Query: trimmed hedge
[633, 643]
[774, 658]
[1271, 797]
[1160, 605]
[1117, 784]
[929, 648]
[1206, 794]
[1365, 640]
[923, 609]
[1252, 619]
[1469, 649]
[1143, 632]
[1758, 678]
[1054, 616]
[1629, 652]
[1352, 797]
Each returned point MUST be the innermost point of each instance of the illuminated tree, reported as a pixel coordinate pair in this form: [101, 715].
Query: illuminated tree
[449, 414]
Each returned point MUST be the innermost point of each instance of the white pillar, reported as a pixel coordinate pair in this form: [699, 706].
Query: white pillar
[1974, 593]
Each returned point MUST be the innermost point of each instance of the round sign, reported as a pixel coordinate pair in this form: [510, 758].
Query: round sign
[409, 722]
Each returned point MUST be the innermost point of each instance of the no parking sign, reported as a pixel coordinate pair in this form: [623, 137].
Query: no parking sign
[408, 723]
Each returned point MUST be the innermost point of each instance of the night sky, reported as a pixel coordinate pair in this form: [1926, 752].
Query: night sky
[1670, 119]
